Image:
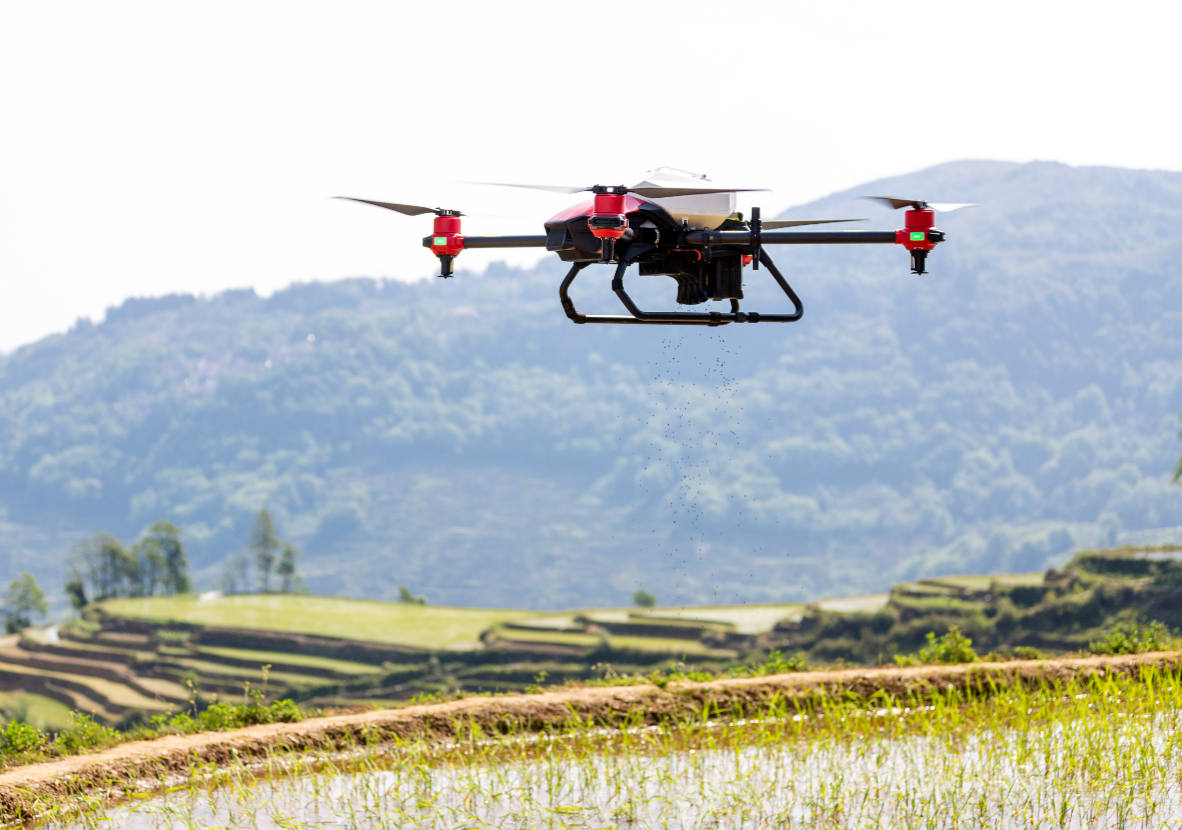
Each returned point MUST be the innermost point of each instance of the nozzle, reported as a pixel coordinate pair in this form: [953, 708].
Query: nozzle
[918, 260]
[607, 249]
[445, 265]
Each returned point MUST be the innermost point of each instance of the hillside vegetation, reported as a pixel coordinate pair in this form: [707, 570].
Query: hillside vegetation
[464, 439]
[1069, 609]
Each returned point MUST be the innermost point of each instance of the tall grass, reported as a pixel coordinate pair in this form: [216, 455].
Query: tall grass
[1104, 751]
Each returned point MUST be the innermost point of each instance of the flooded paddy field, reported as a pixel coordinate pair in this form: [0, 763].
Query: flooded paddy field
[1090, 752]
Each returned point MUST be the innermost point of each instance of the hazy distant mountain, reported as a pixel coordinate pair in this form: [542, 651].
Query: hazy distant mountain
[465, 439]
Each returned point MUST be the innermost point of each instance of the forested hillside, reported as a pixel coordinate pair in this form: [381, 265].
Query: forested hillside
[465, 439]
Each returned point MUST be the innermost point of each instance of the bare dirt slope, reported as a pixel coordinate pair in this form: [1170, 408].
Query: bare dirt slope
[140, 763]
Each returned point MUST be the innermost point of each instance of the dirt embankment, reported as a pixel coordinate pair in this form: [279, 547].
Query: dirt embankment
[22, 788]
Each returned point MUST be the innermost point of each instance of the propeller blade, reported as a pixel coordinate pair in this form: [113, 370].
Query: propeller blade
[671, 192]
[944, 207]
[408, 210]
[553, 188]
[896, 203]
[646, 192]
[772, 224]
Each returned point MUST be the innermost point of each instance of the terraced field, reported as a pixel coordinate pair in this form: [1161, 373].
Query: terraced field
[137, 657]
[133, 658]
[414, 626]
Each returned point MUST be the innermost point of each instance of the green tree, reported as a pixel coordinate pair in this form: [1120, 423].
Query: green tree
[156, 563]
[155, 567]
[236, 574]
[84, 565]
[166, 538]
[286, 569]
[264, 543]
[128, 565]
[76, 591]
[24, 600]
[643, 599]
[103, 562]
[140, 570]
[406, 595]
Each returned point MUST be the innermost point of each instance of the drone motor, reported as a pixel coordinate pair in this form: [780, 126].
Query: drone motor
[919, 234]
[446, 240]
[608, 220]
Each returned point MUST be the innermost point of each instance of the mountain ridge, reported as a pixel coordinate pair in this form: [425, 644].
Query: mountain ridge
[462, 437]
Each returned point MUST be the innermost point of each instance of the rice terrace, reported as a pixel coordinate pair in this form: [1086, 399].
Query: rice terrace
[691, 718]
[1084, 743]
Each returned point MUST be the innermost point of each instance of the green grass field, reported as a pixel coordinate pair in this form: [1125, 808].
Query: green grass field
[439, 627]
[745, 619]
[867, 603]
[221, 671]
[38, 710]
[659, 645]
[263, 658]
[417, 626]
[982, 582]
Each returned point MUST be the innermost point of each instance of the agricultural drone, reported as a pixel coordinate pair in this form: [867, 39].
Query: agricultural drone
[676, 224]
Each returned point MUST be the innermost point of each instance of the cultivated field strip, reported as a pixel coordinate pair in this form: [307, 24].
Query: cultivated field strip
[24, 791]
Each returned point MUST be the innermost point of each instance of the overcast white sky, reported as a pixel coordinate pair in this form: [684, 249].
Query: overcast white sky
[152, 147]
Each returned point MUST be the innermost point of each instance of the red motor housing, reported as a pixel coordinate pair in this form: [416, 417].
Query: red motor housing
[916, 236]
[446, 239]
[919, 236]
[608, 219]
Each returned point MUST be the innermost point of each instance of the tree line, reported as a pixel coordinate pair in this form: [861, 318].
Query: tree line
[102, 567]
[270, 557]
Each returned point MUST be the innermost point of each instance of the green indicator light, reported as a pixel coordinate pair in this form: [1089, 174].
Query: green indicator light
[918, 236]
[442, 240]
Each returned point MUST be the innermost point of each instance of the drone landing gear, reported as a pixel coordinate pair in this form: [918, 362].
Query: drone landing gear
[569, 306]
[676, 318]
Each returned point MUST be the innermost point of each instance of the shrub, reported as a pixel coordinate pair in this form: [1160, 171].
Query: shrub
[1133, 638]
[280, 711]
[19, 737]
[179, 724]
[220, 716]
[776, 664]
[406, 595]
[1026, 596]
[883, 621]
[953, 647]
[230, 716]
[1028, 653]
[83, 733]
[643, 599]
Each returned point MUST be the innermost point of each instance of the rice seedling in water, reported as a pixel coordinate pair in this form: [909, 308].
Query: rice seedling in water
[1096, 752]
